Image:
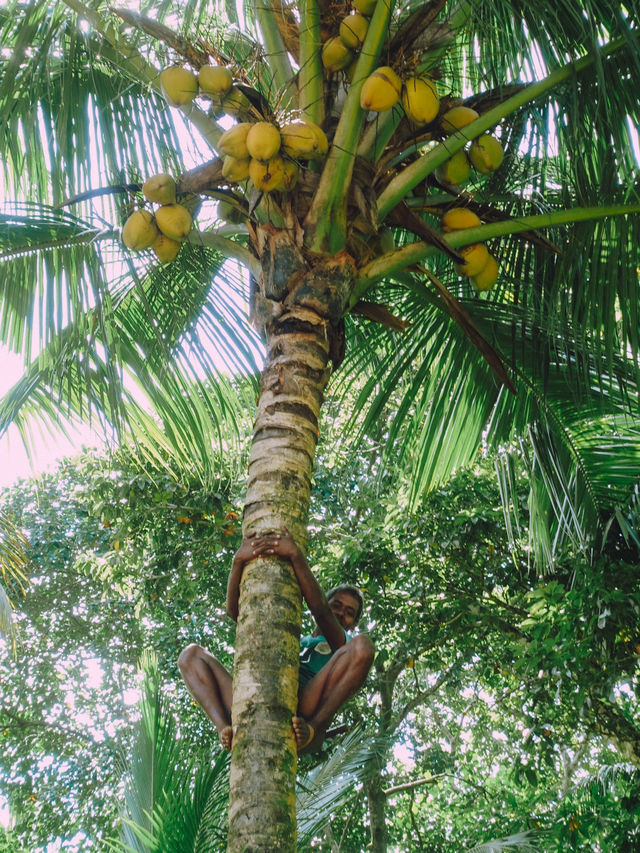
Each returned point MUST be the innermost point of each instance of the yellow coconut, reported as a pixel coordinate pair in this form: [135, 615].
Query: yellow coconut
[486, 153]
[139, 231]
[290, 172]
[234, 169]
[420, 100]
[160, 189]
[336, 55]
[381, 90]
[323, 142]
[267, 176]
[174, 221]
[458, 117]
[303, 140]
[234, 140]
[455, 171]
[263, 141]
[475, 258]
[459, 218]
[179, 85]
[215, 80]
[165, 248]
[488, 275]
[353, 30]
[365, 7]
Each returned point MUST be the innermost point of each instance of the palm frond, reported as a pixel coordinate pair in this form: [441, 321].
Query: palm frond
[446, 404]
[523, 841]
[169, 803]
[58, 64]
[13, 570]
[169, 330]
[335, 782]
[51, 272]
[13, 551]
[604, 778]
[6, 614]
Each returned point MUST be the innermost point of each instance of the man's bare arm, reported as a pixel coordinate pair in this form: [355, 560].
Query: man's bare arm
[244, 554]
[283, 545]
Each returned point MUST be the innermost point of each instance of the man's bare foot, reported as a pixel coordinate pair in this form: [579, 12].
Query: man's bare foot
[226, 736]
[304, 733]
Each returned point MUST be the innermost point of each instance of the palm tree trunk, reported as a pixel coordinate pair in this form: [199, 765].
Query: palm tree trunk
[300, 305]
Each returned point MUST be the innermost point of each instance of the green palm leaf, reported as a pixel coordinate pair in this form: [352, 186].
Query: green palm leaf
[523, 841]
[169, 803]
[336, 781]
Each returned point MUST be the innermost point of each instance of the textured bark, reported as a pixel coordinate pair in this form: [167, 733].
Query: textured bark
[298, 305]
[377, 803]
[622, 734]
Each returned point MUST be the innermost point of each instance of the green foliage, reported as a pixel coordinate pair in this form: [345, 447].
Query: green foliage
[169, 802]
[487, 674]
[120, 560]
[172, 802]
[485, 643]
[9, 843]
[485, 698]
[561, 323]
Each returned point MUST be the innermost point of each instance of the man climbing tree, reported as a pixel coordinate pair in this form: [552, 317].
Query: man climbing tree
[333, 665]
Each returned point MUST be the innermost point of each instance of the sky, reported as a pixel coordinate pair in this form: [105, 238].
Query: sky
[14, 462]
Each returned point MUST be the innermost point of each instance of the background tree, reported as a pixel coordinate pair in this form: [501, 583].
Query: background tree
[501, 736]
[476, 689]
[314, 251]
[121, 561]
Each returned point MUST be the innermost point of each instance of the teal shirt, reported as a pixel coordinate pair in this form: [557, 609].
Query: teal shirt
[315, 652]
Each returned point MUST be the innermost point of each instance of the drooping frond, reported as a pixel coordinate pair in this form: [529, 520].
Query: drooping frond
[335, 782]
[116, 349]
[169, 803]
[525, 842]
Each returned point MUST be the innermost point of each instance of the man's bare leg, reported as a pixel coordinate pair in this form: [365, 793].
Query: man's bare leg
[327, 691]
[211, 686]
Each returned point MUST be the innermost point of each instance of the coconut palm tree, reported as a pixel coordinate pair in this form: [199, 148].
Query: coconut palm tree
[340, 237]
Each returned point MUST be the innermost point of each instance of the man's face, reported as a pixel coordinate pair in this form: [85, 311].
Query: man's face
[345, 608]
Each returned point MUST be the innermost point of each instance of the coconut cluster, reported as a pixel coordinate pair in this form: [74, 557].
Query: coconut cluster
[267, 155]
[479, 265]
[383, 89]
[339, 52]
[163, 231]
[270, 156]
[485, 153]
[181, 85]
[262, 152]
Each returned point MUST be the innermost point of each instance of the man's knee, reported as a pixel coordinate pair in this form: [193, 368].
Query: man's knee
[187, 656]
[362, 651]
